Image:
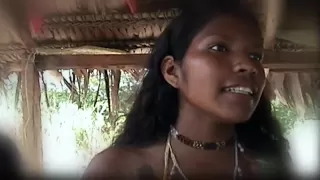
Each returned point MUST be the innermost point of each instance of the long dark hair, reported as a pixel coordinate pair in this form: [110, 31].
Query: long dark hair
[156, 105]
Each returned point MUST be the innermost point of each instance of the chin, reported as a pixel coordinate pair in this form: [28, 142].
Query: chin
[235, 113]
[236, 117]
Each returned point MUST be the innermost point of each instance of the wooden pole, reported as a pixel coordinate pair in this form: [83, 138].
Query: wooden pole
[31, 126]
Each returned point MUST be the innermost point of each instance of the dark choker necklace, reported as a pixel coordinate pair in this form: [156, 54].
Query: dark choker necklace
[201, 145]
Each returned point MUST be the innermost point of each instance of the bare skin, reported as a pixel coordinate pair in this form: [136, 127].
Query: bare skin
[226, 52]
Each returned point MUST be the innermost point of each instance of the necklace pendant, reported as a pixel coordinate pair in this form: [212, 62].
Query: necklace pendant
[239, 172]
[197, 145]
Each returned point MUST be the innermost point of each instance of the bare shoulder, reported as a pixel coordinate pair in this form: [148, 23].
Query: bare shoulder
[115, 163]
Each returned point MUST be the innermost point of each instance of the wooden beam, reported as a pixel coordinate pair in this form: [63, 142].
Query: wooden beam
[273, 10]
[31, 126]
[300, 23]
[273, 60]
[156, 5]
[90, 61]
[309, 70]
[292, 61]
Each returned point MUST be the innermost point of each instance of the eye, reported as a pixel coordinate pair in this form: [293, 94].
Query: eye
[256, 56]
[219, 48]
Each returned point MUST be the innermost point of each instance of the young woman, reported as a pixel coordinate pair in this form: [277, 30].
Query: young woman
[201, 111]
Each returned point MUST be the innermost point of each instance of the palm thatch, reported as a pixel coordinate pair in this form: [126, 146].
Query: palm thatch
[9, 34]
[298, 90]
[105, 27]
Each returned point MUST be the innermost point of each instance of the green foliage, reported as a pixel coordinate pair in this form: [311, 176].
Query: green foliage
[112, 126]
[286, 115]
[82, 139]
[111, 131]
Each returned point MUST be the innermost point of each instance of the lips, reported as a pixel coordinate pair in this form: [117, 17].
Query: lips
[241, 85]
[240, 90]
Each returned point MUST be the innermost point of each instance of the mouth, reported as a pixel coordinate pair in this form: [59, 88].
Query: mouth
[240, 90]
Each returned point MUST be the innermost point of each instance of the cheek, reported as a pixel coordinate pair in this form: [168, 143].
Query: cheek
[261, 79]
[201, 78]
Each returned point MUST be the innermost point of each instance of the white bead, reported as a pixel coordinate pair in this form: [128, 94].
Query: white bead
[263, 130]
[239, 172]
[240, 148]
[273, 137]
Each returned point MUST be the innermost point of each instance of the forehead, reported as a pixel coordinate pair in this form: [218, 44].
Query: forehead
[232, 28]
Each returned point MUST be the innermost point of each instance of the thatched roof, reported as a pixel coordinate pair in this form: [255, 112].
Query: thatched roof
[108, 23]
[47, 26]
[298, 90]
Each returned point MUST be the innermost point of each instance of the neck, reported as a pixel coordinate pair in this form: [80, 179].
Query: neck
[197, 125]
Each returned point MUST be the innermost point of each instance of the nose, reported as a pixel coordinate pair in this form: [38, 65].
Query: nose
[243, 64]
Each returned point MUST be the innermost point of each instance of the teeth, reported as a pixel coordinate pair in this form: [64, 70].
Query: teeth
[240, 90]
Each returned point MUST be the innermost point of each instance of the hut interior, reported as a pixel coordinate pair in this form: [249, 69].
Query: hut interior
[41, 35]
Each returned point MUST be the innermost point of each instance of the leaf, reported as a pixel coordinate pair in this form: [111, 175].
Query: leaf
[69, 86]
[86, 74]
[79, 94]
[45, 89]
[72, 78]
[115, 78]
[97, 93]
[133, 73]
[78, 73]
[107, 83]
[18, 88]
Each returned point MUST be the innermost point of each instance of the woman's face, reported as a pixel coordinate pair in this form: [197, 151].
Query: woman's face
[221, 73]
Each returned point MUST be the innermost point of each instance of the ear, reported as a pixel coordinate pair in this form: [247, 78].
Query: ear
[170, 71]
